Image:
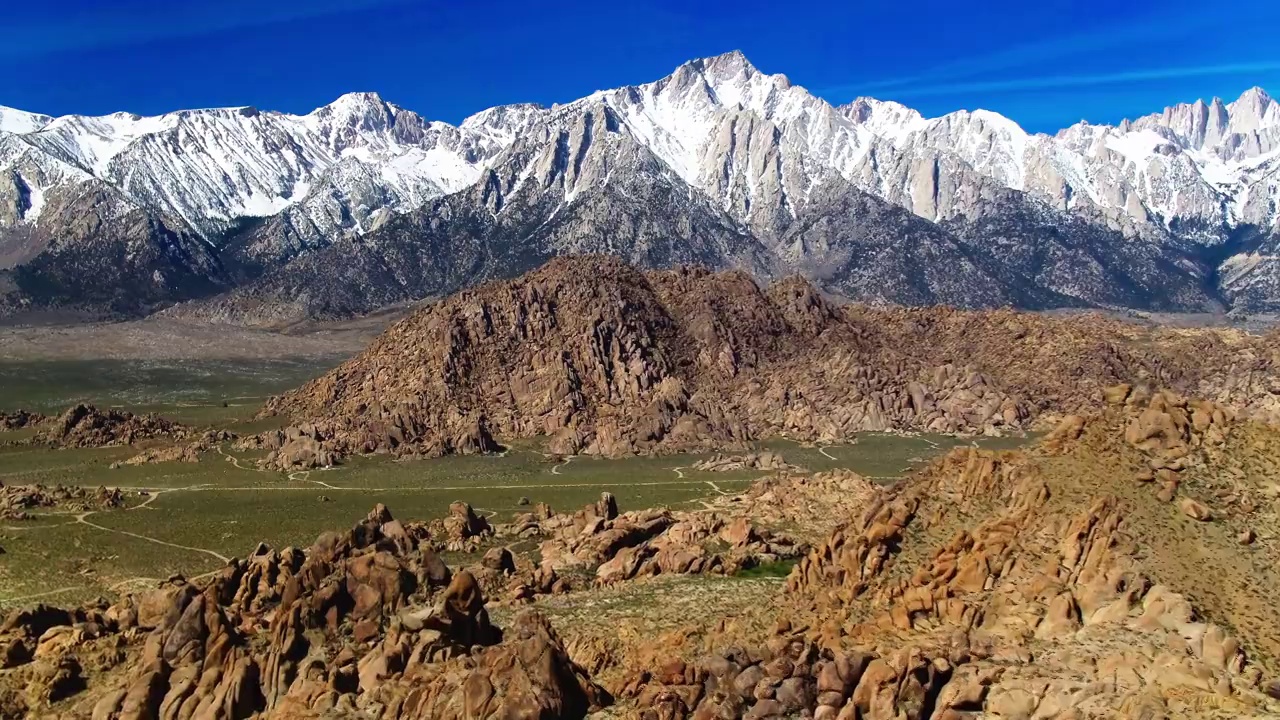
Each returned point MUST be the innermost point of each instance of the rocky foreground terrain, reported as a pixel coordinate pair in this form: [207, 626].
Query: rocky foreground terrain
[1124, 566]
[607, 359]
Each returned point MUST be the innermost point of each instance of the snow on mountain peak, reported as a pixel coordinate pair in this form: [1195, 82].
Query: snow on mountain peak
[736, 81]
[1255, 96]
[725, 65]
[353, 103]
[744, 137]
[1254, 110]
[17, 121]
[884, 118]
[503, 124]
[353, 112]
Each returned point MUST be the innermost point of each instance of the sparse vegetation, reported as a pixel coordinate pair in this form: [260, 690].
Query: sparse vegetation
[227, 506]
[779, 569]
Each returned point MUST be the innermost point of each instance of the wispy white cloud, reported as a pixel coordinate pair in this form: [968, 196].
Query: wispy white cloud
[1163, 28]
[110, 25]
[1048, 82]
[1045, 50]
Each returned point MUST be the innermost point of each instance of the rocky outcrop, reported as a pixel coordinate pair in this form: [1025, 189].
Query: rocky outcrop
[1048, 582]
[189, 452]
[529, 675]
[318, 445]
[365, 621]
[1021, 584]
[294, 448]
[462, 529]
[621, 546]
[648, 363]
[765, 461]
[691, 360]
[85, 425]
[598, 545]
[16, 500]
[20, 419]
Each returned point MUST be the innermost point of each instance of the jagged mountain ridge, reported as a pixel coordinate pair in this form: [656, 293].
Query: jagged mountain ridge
[754, 171]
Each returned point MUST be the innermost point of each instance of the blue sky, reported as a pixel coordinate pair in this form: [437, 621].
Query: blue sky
[1045, 64]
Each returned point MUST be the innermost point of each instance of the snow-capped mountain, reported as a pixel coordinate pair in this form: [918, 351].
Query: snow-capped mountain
[20, 121]
[717, 163]
[213, 167]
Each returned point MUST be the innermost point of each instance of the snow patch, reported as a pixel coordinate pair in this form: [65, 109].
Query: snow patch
[19, 122]
[1138, 146]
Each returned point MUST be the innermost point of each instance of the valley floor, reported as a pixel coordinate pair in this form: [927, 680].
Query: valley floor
[157, 338]
[188, 518]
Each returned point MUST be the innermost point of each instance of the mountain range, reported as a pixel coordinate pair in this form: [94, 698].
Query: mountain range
[257, 217]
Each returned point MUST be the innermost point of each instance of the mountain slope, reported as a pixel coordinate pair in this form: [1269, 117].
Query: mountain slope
[583, 184]
[605, 358]
[340, 210]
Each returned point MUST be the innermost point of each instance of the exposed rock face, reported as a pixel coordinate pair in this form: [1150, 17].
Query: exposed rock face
[358, 623]
[616, 547]
[294, 448]
[529, 675]
[98, 252]
[86, 426]
[189, 452]
[766, 461]
[20, 419]
[16, 500]
[605, 359]
[1038, 583]
[1042, 583]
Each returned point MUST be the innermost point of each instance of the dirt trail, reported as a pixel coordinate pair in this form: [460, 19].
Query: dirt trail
[295, 476]
[37, 596]
[236, 461]
[305, 476]
[827, 455]
[115, 587]
[82, 518]
[146, 505]
[556, 470]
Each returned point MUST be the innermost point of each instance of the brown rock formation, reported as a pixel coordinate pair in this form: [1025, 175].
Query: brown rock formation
[20, 419]
[605, 359]
[1027, 584]
[765, 461]
[362, 622]
[1038, 583]
[189, 452]
[16, 500]
[87, 426]
[616, 546]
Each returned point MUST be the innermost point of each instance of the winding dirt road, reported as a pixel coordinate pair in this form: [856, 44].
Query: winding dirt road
[556, 470]
[82, 518]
